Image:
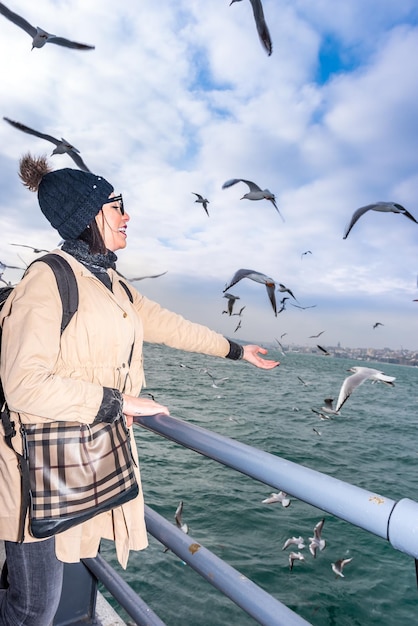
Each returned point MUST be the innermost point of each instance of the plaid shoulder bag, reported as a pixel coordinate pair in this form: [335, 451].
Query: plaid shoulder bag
[76, 471]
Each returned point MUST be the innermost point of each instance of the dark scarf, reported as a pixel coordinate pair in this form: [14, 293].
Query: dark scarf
[96, 263]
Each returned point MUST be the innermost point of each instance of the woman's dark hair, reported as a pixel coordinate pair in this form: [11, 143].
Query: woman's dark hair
[92, 236]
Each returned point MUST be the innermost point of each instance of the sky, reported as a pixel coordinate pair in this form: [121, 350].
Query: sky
[179, 96]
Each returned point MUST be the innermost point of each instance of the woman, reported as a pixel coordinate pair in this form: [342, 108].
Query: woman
[89, 374]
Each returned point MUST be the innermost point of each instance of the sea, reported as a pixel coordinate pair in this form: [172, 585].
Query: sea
[371, 444]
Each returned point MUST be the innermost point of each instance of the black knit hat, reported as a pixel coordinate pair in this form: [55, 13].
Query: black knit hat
[70, 199]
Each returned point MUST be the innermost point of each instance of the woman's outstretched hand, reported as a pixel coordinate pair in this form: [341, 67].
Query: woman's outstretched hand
[141, 406]
[251, 355]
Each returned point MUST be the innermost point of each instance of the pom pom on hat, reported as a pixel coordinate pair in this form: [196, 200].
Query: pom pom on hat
[68, 198]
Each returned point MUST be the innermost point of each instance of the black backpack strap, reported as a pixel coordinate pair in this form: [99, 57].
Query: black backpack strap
[67, 285]
[68, 290]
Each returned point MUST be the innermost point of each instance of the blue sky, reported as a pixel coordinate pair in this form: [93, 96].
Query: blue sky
[178, 97]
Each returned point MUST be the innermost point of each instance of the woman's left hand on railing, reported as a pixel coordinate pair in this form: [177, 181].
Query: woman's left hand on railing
[141, 406]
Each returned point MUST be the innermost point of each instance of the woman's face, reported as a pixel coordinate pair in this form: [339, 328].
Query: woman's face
[112, 222]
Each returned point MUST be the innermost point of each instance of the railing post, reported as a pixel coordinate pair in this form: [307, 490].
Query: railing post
[78, 597]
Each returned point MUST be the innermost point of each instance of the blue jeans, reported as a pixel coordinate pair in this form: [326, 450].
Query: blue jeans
[35, 582]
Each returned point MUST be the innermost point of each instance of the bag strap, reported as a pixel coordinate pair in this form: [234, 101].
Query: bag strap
[68, 290]
[22, 461]
[128, 291]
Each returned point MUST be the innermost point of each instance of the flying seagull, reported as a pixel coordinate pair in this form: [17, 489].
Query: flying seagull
[307, 252]
[317, 543]
[39, 36]
[24, 245]
[277, 497]
[260, 22]
[179, 519]
[284, 289]
[132, 280]
[62, 146]
[383, 207]
[231, 302]
[315, 336]
[258, 278]
[377, 324]
[255, 193]
[337, 567]
[297, 541]
[203, 201]
[293, 556]
[360, 375]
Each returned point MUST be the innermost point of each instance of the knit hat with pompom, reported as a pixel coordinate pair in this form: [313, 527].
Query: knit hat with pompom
[68, 198]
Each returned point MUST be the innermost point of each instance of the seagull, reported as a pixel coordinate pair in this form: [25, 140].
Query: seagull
[337, 567]
[215, 381]
[35, 250]
[322, 415]
[360, 375]
[377, 324]
[178, 517]
[383, 207]
[315, 336]
[258, 277]
[39, 36]
[255, 193]
[238, 326]
[304, 383]
[231, 302]
[317, 432]
[260, 22]
[278, 497]
[284, 289]
[203, 201]
[281, 347]
[293, 556]
[329, 406]
[283, 305]
[303, 253]
[323, 350]
[298, 306]
[240, 311]
[132, 280]
[298, 541]
[62, 146]
[316, 542]
[4, 266]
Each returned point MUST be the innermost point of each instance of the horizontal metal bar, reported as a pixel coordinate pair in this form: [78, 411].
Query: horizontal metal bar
[122, 592]
[360, 507]
[263, 607]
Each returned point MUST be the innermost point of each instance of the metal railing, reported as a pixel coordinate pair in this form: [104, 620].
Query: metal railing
[395, 521]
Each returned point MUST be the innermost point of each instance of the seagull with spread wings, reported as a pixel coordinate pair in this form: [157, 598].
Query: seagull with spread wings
[258, 277]
[39, 36]
[255, 193]
[62, 146]
[383, 207]
[359, 376]
[203, 201]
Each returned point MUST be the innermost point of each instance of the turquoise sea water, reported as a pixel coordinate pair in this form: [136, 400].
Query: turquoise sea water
[372, 444]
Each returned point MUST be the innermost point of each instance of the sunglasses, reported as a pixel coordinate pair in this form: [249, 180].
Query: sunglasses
[117, 199]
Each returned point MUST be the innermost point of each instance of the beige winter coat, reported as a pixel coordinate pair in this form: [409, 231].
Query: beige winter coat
[48, 377]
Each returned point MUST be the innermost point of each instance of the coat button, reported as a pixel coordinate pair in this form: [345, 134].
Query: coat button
[125, 314]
